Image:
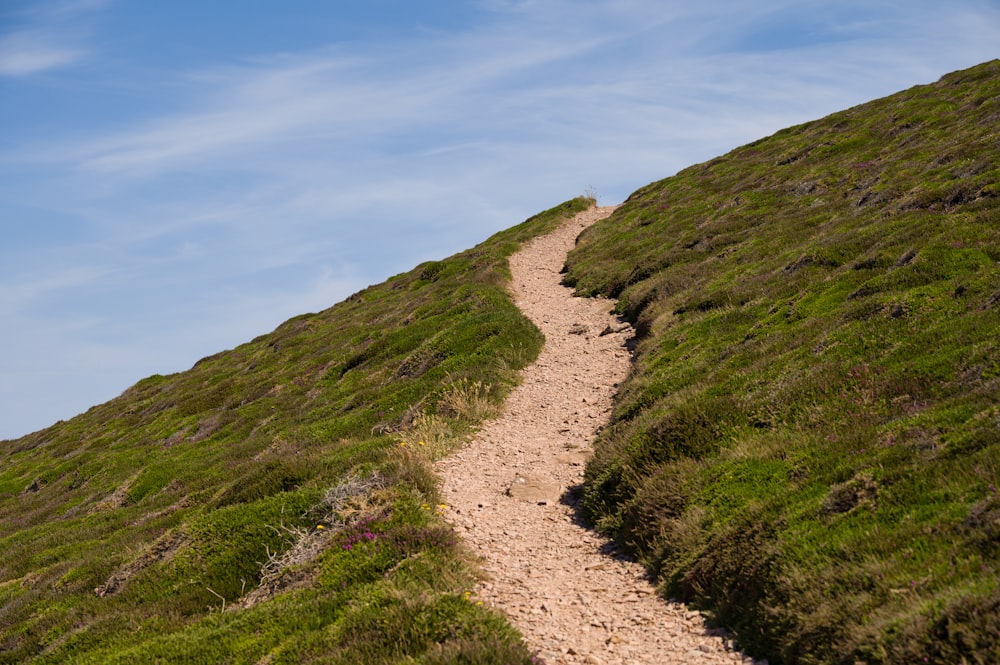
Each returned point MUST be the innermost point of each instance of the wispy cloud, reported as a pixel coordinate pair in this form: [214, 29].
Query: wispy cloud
[326, 97]
[483, 82]
[18, 294]
[32, 51]
[48, 35]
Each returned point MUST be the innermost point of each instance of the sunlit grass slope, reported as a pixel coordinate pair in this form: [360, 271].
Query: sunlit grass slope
[809, 445]
[274, 503]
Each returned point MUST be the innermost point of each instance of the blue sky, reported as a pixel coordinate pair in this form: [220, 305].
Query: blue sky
[179, 177]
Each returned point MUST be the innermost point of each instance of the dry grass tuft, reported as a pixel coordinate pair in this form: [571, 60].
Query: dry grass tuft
[341, 505]
[470, 400]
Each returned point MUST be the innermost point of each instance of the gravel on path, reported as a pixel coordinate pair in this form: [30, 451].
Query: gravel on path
[575, 598]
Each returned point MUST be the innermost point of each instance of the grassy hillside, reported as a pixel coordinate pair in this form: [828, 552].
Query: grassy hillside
[809, 445]
[274, 503]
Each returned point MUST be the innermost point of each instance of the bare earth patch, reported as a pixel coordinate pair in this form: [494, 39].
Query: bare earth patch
[572, 596]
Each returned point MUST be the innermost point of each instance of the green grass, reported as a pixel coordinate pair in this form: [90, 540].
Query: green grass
[809, 444]
[293, 471]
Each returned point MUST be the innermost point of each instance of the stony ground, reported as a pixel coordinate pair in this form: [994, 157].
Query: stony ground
[575, 599]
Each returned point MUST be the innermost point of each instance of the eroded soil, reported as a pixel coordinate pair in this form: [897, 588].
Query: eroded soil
[575, 599]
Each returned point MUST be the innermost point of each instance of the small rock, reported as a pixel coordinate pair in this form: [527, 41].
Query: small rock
[614, 329]
[573, 458]
[535, 489]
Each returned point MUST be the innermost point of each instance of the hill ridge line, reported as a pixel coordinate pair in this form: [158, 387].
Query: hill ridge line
[566, 588]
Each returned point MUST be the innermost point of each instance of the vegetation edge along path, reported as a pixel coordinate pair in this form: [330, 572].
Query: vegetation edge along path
[509, 492]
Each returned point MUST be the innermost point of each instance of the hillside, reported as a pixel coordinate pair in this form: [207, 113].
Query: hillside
[807, 448]
[809, 443]
[288, 477]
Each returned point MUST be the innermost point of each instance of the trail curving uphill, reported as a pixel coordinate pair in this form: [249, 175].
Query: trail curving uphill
[562, 585]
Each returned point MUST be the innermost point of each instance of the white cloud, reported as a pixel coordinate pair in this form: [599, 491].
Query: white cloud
[323, 97]
[519, 77]
[53, 35]
[30, 52]
[19, 294]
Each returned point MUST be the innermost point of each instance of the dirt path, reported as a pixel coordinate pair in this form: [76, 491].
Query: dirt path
[561, 584]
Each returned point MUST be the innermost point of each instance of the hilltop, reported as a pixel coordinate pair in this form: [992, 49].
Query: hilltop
[807, 447]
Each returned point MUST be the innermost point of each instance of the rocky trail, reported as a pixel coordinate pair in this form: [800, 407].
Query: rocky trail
[573, 596]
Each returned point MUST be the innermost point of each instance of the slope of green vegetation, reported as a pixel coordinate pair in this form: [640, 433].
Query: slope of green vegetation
[274, 503]
[809, 444]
